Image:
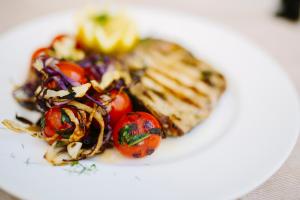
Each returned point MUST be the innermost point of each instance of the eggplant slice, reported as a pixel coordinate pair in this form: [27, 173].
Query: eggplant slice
[172, 84]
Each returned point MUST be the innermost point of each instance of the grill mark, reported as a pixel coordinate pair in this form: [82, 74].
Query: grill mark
[171, 92]
[181, 82]
[174, 110]
[176, 117]
[170, 127]
[192, 97]
[169, 61]
[146, 94]
[166, 112]
[210, 95]
[175, 60]
[160, 94]
[150, 84]
[194, 73]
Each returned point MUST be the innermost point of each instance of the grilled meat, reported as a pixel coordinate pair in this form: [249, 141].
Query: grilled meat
[177, 88]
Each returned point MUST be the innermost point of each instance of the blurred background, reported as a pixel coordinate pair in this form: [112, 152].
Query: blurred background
[271, 24]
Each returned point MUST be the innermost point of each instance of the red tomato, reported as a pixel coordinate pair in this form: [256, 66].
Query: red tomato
[56, 122]
[58, 38]
[137, 134]
[72, 71]
[120, 105]
[39, 52]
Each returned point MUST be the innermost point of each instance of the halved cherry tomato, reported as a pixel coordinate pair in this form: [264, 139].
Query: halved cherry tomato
[56, 122]
[137, 134]
[38, 52]
[72, 71]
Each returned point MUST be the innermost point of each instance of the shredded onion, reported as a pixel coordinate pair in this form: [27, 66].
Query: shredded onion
[98, 118]
[80, 91]
[19, 128]
[74, 149]
[78, 132]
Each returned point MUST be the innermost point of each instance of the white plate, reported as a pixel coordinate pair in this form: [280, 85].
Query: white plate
[246, 139]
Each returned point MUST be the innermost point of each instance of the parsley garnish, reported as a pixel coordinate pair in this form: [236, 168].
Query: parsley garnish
[78, 168]
[74, 163]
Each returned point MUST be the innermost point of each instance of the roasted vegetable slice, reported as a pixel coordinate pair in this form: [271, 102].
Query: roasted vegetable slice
[176, 87]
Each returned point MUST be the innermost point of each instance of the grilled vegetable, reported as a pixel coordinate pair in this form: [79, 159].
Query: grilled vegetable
[177, 88]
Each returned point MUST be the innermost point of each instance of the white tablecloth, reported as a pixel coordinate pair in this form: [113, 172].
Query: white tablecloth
[253, 18]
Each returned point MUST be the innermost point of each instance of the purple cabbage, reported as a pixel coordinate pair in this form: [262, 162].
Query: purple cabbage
[96, 64]
[56, 72]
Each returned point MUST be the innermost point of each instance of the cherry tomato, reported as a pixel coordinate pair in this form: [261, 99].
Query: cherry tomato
[120, 105]
[58, 38]
[39, 52]
[137, 134]
[72, 71]
[57, 122]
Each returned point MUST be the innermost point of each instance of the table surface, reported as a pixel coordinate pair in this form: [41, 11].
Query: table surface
[254, 19]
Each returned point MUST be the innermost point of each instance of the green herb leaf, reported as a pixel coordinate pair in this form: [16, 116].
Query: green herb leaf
[92, 167]
[137, 139]
[125, 133]
[64, 117]
[102, 18]
[74, 163]
[127, 137]
[43, 121]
